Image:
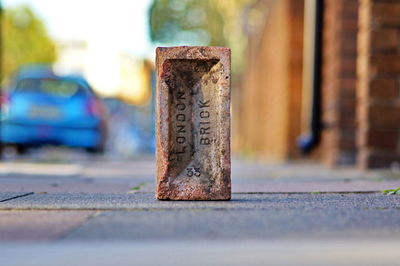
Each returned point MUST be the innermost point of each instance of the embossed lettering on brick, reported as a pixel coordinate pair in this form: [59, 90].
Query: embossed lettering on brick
[193, 123]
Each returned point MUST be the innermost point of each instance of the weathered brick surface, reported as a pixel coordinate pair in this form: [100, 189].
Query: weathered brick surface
[378, 87]
[193, 123]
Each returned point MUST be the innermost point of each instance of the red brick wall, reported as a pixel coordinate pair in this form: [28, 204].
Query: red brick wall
[378, 88]
[339, 82]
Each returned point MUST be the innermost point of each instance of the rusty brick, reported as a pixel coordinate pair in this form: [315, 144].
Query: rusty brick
[193, 123]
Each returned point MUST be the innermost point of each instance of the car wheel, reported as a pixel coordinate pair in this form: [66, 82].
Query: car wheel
[95, 150]
[21, 150]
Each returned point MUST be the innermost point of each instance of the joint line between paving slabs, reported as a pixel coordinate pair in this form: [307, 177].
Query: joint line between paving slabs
[18, 196]
[312, 192]
[75, 228]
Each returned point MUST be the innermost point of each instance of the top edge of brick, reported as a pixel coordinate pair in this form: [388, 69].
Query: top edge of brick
[193, 52]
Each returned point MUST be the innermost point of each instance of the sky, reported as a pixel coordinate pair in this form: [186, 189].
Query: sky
[117, 24]
[109, 28]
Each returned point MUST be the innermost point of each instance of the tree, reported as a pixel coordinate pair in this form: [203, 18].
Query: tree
[200, 22]
[24, 41]
[191, 21]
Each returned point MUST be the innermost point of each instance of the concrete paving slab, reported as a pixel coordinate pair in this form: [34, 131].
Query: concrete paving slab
[133, 168]
[139, 200]
[47, 169]
[312, 185]
[241, 171]
[78, 187]
[39, 225]
[108, 176]
[56, 184]
[265, 185]
[287, 252]
[243, 185]
[211, 224]
[5, 196]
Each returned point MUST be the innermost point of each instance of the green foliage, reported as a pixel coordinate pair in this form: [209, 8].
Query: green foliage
[190, 21]
[392, 191]
[200, 22]
[137, 188]
[25, 41]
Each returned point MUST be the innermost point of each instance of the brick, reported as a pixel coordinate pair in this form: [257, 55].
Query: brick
[382, 139]
[348, 48]
[347, 68]
[381, 88]
[346, 140]
[349, 25]
[193, 123]
[373, 159]
[347, 113]
[386, 64]
[385, 39]
[378, 68]
[386, 14]
[348, 88]
[339, 80]
[349, 8]
[384, 117]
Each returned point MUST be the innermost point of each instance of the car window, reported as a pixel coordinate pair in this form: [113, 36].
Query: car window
[57, 87]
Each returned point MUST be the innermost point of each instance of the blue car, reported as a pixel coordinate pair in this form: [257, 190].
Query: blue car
[45, 108]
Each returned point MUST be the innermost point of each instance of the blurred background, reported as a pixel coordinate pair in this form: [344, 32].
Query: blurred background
[311, 80]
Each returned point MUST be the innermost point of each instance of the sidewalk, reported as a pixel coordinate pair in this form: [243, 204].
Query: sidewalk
[106, 211]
